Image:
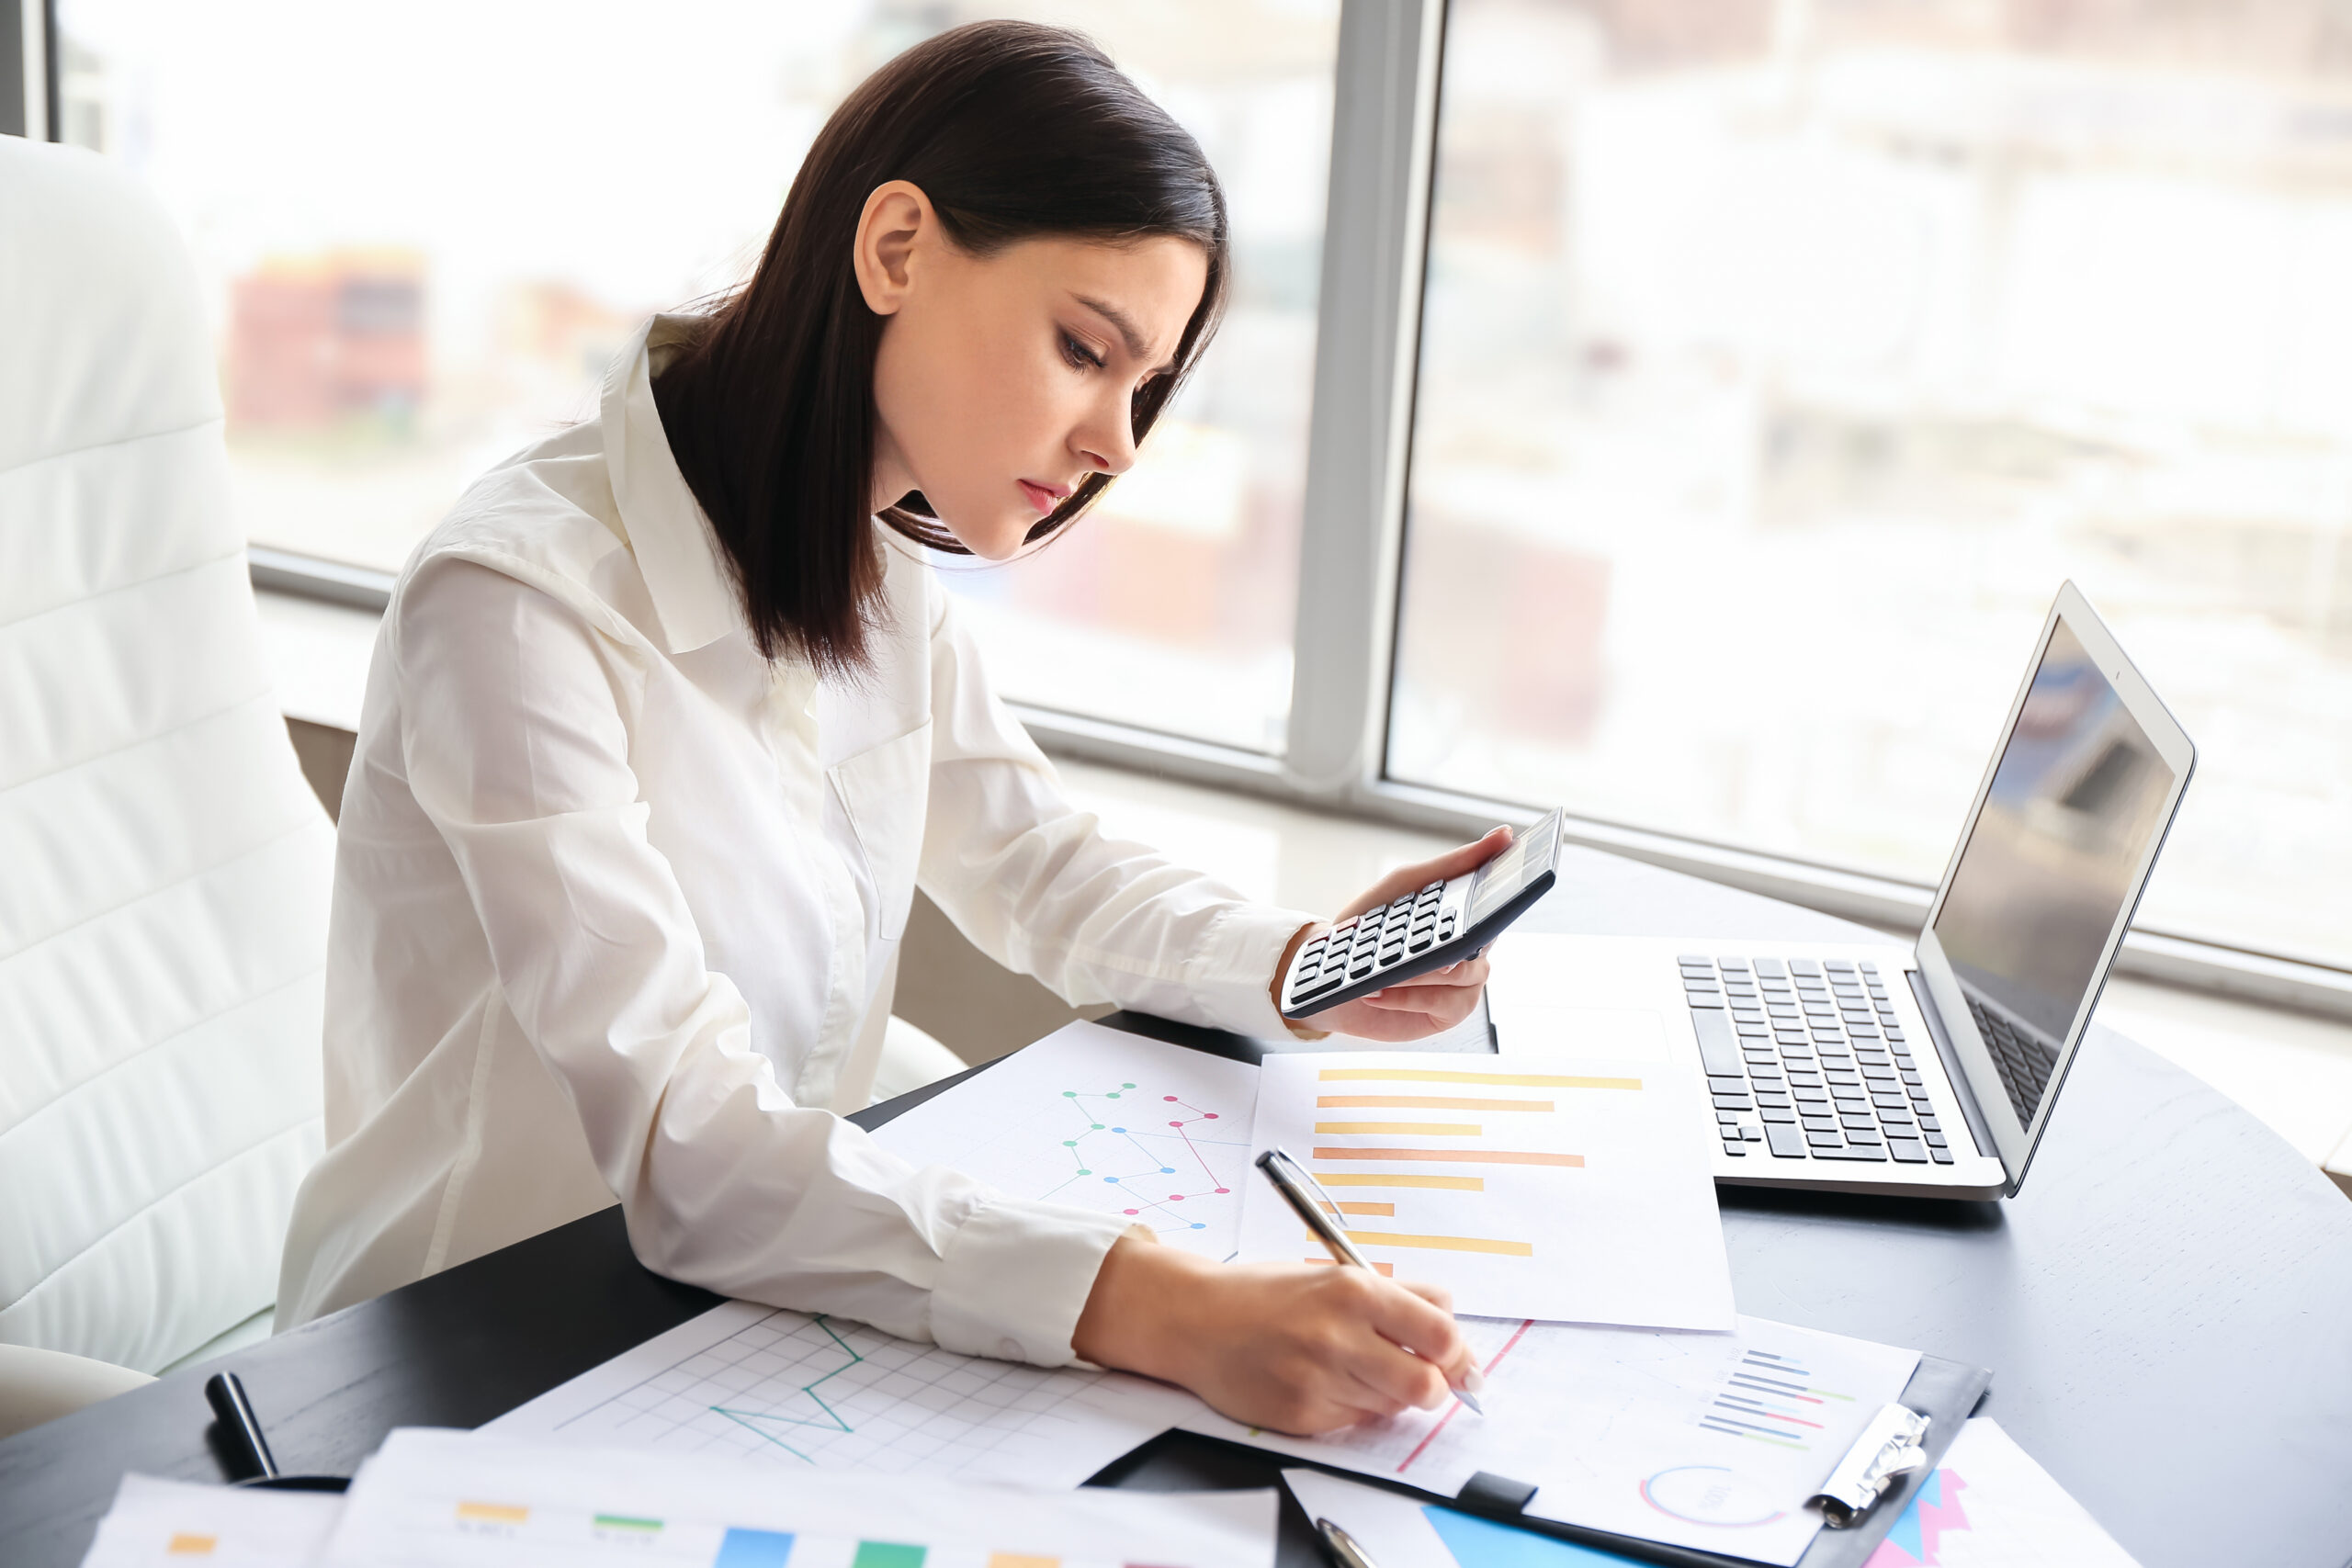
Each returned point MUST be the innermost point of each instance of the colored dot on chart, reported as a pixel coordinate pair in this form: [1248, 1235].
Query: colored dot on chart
[1199, 1226]
[1127, 1086]
[1175, 1123]
[1089, 1173]
[1118, 1129]
[1208, 1115]
[1112, 1095]
[1167, 1171]
[1069, 1094]
[1221, 1189]
[1098, 1126]
[1128, 1210]
[1070, 1143]
[1171, 1099]
[1175, 1196]
[1110, 1178]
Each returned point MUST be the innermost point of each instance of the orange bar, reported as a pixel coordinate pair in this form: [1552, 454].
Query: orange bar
[1425, 1102]
[1443, 1243]
[1403, 1129]
[1388, 1269]
[1458, 1157]
[1430, 1075]
[493, 1513]
[1387, 1209]
[1398, 1179]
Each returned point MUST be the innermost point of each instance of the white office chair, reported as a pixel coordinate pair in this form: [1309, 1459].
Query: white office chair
[163, 868]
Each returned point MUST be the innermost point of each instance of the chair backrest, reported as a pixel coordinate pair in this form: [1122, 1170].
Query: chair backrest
[163, 868]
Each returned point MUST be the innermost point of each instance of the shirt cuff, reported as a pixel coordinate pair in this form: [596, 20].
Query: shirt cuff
[1015, 1278]
[1232, 975]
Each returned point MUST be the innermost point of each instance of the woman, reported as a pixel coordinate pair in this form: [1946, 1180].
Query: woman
[669, 717]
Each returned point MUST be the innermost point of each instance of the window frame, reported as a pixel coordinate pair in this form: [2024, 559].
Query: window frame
[1385, 99]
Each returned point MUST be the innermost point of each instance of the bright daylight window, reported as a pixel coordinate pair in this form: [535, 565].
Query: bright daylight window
[1779, 361]
[425, 231]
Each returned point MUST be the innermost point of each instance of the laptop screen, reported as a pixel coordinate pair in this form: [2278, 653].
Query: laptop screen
[2077, 798]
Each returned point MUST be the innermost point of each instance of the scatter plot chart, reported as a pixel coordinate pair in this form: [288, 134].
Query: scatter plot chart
[1101, 1120]
[1123, 1134]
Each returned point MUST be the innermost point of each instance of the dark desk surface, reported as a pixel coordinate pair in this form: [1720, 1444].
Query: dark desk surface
[2166, 1308]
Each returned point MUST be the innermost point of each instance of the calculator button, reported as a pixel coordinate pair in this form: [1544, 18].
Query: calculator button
[1330, 982]
[1420, 944]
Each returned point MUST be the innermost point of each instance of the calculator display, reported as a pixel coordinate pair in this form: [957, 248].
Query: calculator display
[1499, 879]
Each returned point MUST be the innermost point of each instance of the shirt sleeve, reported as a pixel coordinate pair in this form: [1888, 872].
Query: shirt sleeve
[1038, 886]
[516, 741]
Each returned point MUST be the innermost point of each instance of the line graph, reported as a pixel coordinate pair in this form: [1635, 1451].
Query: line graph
[799, 1389]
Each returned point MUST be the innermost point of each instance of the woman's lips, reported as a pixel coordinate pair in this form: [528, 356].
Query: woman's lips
[1045, 498]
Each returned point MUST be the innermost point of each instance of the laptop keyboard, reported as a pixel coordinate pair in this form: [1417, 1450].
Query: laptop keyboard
[1805, 1061]
[2025, 1062]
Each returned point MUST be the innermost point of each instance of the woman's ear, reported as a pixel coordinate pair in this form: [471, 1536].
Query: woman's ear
[897, 220]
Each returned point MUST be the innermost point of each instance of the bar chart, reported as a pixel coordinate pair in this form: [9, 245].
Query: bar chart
[1505, 1179]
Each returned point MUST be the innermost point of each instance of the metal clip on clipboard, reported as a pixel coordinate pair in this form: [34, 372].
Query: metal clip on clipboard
[1894, 1444]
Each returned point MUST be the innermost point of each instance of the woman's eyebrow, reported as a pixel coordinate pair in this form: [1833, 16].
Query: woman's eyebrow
[1136, 347]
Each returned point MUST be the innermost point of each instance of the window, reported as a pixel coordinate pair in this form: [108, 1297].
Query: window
[1768, 365]
[424, 232]
[1778, 362]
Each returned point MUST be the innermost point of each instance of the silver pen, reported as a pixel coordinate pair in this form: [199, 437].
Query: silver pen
[1343, 1546]
[1315, 1208]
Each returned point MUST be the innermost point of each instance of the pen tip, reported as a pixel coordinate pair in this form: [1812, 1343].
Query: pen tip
[1470, 1401]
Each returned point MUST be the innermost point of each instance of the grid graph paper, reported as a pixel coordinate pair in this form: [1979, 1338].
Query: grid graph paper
[752, 1382]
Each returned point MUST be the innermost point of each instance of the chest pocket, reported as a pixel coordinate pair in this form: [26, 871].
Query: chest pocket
[884, 791]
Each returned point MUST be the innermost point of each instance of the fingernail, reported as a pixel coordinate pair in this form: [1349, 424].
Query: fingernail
[1474, 1380]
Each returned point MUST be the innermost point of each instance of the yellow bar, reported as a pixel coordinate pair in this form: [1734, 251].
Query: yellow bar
[1022, 1560]
[1372, 1178]
[1406, 1129]
[1457, 1157]
[1425, 1102]
[1329, 1261]
[1443, 1243]
[1388, 1209]
[188, 1543]
[493, 1513]
[1514, 1080]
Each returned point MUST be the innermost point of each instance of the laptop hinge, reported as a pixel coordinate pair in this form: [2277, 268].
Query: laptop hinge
[1952, 1075]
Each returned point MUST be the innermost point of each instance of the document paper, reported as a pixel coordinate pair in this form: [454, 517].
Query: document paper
[1989, 1505]
[472, 1501]
[1570, 1191]
[797, 1391]
[1709, 1440]
[1103, 1120]
[168, 1523]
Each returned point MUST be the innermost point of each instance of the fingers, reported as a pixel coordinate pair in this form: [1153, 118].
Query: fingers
[1444, 868]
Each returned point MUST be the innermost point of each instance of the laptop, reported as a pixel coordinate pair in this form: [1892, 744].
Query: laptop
[1932, 1070]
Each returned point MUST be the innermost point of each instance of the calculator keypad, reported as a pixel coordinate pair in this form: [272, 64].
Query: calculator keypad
[1360, 948]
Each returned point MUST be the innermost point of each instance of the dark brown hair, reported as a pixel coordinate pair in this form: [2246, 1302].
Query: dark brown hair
[1014, 130]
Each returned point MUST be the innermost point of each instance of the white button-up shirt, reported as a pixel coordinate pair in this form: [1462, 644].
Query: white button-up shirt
[618, 907]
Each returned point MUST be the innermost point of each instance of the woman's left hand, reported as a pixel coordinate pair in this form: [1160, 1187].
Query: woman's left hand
[1429, 1003]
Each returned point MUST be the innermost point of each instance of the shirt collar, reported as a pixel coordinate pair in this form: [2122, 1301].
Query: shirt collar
[693, 597]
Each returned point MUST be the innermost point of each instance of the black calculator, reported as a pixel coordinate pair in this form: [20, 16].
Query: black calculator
[1441, 924]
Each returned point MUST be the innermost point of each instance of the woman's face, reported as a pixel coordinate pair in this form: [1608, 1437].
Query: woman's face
[1003, 381]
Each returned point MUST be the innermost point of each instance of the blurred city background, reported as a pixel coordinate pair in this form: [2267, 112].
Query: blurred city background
[1781, 357]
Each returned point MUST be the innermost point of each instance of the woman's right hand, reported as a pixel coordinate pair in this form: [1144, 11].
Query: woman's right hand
[1298, 1348]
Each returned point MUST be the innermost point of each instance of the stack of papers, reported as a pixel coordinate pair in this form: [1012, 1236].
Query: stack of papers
[1988, 1506]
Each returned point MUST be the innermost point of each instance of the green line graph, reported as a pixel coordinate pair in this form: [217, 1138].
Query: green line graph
[751, 1419]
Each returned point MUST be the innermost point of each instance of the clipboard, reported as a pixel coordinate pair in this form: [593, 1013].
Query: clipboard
[1945, 1391]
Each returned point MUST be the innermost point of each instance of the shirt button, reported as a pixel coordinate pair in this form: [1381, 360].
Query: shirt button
[1009, 1348]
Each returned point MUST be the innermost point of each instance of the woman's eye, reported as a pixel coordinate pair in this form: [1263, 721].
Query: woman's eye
[1078, 354]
